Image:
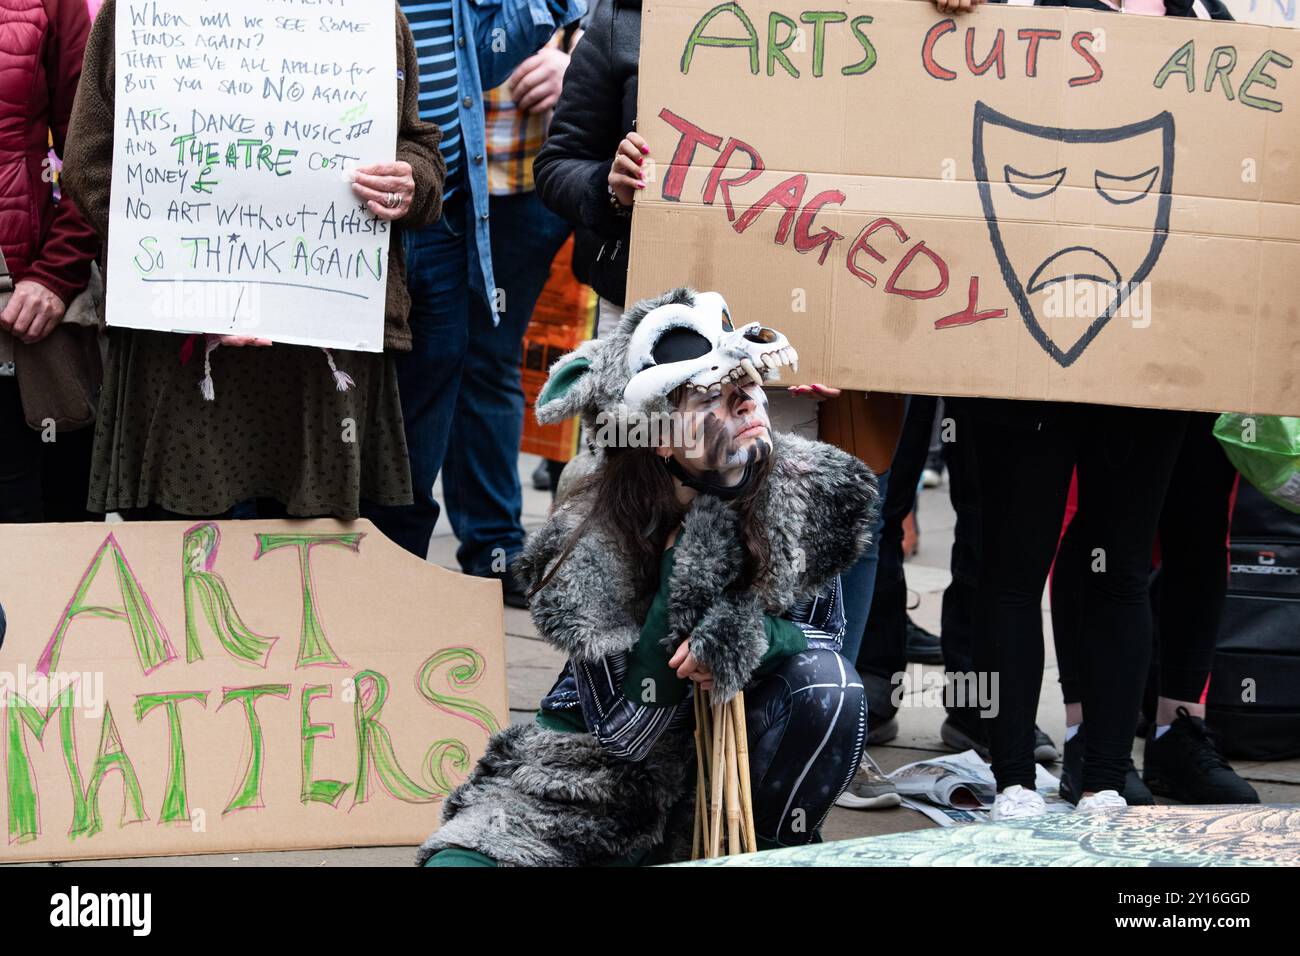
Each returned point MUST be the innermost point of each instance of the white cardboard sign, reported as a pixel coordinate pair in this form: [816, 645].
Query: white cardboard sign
[236, 124]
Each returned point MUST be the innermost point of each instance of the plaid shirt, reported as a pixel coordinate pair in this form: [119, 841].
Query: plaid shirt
[513, 140]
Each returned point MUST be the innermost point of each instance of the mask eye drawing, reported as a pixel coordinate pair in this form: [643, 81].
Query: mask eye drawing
[1125, 189]
[1030, 186]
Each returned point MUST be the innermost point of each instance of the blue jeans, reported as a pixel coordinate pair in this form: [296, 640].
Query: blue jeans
[859, 583]
[480, 479]
[429, 375]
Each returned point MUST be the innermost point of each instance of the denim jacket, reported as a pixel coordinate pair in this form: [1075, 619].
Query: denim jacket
[505, 33]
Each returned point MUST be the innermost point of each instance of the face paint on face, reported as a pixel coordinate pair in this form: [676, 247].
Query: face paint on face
[726, 433]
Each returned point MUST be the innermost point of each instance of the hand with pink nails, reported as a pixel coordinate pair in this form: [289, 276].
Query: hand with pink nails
[627, 175]
[818, 392]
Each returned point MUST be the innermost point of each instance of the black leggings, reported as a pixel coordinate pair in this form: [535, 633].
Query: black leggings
[807, 722]
[1025, 459]
[1189, 599]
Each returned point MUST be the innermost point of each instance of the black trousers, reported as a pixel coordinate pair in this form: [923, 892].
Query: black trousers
[1188, 593]
[41, 480]
[884, 646]
[1026, 456]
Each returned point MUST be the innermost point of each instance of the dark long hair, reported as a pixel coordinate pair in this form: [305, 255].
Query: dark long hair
[634, 498]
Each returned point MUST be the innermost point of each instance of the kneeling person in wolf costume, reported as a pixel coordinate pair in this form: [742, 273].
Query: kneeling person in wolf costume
[708, 560]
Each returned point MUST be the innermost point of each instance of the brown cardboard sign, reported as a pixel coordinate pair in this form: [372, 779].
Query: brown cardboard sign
[231, 686]
[1021, 202]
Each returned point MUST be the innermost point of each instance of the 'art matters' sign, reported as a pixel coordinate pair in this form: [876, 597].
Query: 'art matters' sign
[235, 686]
[1019, 202]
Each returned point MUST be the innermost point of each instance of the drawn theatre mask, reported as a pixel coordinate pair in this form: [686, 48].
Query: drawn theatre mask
[1077, 217]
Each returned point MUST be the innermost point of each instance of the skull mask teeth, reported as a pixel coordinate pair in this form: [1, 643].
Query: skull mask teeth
[697, 346]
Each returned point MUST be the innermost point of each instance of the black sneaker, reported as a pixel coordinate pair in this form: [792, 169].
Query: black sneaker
[922, 646]
[513, 592]
[542, 476]
[1045, 751]
[1184, 764]
[1135, 792]
[962, 730]
[882, 724]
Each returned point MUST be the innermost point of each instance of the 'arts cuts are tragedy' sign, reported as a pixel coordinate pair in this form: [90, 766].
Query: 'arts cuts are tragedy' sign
[235, 686]
[1020, 202]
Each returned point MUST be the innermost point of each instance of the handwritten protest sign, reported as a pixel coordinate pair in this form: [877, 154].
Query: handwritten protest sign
[1023, 202]
[1269, 12]
[224, 686]
[1272, 12]
[235, 125]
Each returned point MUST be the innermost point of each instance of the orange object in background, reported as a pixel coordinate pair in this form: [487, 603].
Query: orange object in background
[564, 317]
[865, 424]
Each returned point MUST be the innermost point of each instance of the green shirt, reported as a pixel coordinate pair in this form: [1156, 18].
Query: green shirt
[651, 682]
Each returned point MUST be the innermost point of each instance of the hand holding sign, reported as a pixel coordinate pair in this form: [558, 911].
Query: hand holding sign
[626, 175]
[957, 6]
[387, 188]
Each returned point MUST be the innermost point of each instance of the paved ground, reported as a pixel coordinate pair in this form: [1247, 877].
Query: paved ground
[533, 666]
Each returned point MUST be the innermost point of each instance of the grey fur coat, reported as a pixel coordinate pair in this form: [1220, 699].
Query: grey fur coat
[540, 797]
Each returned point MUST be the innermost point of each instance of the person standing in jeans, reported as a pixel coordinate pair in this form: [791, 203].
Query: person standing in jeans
[481, 475]
[464, 47]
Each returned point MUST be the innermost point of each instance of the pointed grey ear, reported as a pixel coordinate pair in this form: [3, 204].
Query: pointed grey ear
[569, 389]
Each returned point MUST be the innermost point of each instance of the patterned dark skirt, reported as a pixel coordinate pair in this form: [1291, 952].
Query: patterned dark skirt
[278, 428]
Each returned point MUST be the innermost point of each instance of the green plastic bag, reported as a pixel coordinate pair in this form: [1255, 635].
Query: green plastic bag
[1266, 450]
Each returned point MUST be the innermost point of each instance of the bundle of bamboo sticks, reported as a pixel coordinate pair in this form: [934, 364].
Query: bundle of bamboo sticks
[723, 786]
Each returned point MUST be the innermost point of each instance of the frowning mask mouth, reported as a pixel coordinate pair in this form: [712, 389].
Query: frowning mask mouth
[1077, 263]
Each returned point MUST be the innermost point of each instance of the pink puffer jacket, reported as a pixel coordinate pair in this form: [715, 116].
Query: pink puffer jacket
[41, 46]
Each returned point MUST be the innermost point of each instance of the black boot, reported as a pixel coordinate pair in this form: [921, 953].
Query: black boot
[1185, 765]
[962, 730]
[922, 646]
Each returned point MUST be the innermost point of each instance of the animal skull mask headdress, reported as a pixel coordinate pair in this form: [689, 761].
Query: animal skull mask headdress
[681, 338]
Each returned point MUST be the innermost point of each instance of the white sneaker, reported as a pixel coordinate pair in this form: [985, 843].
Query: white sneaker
[869, 789]
[1017, 803]
[1102, 800]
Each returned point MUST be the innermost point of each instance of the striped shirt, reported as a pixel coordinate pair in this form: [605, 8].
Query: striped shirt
[435, 48]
